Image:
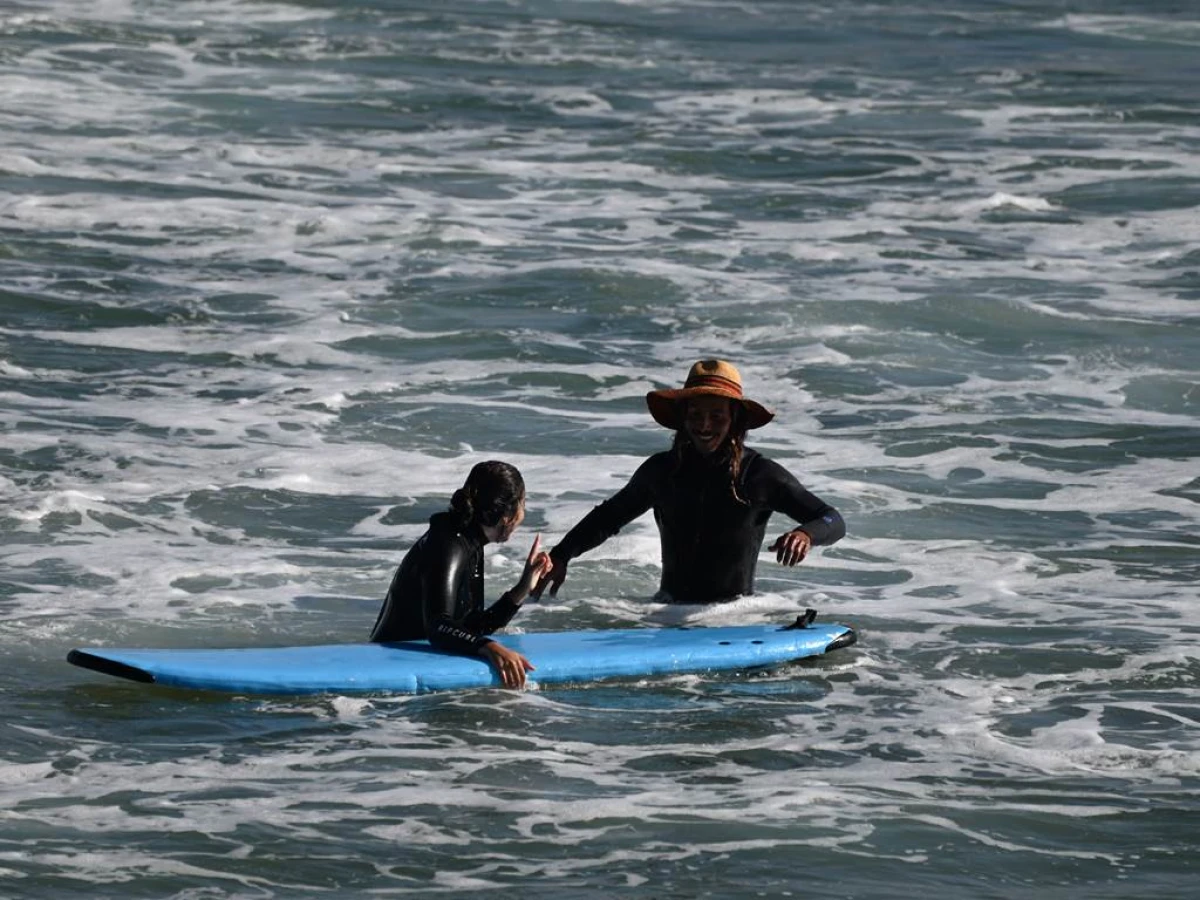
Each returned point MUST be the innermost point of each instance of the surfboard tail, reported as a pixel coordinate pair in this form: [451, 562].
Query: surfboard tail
[848, 638]
[805, 620]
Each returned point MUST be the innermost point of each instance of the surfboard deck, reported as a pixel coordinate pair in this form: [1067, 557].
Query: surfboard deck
[414, 667]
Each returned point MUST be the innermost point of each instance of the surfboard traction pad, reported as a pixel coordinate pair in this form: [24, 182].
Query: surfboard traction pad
[152, 666]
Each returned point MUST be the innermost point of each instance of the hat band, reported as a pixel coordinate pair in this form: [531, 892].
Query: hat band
[714, 381]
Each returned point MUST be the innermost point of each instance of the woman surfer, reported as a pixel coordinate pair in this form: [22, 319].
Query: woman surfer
[711, 496]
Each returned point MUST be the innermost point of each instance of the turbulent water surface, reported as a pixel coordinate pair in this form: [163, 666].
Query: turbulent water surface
[274, 275]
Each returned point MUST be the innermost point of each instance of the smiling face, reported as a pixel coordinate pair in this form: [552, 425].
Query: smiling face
[706, 421]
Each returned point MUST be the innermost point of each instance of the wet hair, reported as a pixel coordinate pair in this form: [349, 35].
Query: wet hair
[733, 448]
[492, 494]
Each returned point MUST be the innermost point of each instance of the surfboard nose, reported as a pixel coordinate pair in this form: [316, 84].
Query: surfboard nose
[86, 660]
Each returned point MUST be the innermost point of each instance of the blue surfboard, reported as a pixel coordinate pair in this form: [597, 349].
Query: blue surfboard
[414, 667]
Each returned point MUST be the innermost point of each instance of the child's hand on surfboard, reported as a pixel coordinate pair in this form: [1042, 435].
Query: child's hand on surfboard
[509, 664]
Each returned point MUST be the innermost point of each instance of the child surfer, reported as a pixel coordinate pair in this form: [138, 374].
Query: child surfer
[437, 591]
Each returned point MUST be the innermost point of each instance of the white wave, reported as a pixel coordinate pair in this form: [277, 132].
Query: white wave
[1132, 27]
[973, 351]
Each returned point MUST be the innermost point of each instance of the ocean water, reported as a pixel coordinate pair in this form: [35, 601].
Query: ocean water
[274, 275]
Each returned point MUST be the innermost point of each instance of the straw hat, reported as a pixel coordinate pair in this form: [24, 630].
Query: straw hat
[710, 377]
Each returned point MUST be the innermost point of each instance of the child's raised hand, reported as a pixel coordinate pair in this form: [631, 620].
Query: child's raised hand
[537, 566]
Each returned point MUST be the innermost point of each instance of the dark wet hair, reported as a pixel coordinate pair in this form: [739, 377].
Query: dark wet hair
[493, 492]
[733, 448]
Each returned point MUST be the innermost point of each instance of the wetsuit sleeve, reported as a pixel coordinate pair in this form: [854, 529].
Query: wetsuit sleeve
[787, 495]
[439, 593]
[495, 616]
[610, 516]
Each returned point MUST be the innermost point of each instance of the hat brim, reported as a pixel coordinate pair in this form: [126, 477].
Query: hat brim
[665, 406]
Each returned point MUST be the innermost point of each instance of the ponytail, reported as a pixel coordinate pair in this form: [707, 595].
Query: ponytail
[462, 505]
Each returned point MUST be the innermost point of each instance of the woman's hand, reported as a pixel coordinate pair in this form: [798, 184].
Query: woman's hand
[510, 665]
[537, 565]
[791, 548]
[555, 577]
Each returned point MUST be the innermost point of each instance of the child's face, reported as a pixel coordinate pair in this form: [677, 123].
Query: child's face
[507, 526]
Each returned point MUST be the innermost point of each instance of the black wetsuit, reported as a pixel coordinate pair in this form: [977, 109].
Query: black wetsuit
[710, 541]
[437, 592]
